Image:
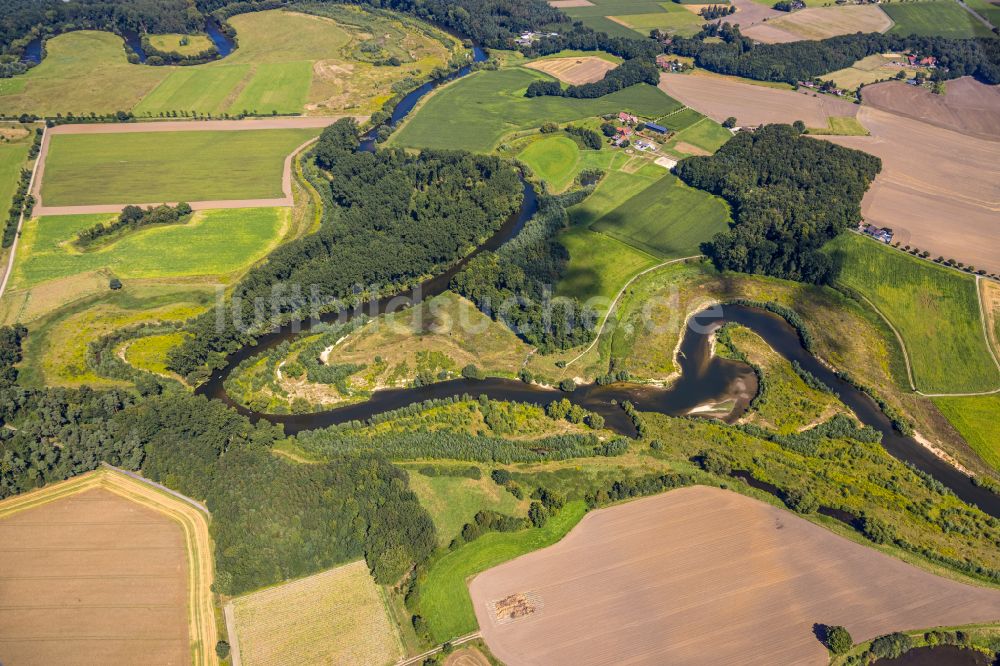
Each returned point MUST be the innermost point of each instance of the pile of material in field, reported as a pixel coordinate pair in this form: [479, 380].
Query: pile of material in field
[335, 617]
[702, 575]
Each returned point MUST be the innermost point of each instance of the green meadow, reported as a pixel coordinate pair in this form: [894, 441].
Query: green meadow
[598, 265]
[216, 242]
[668, 219]
[152, 167]
[12, 158]
[934, 18]
[553, 159]
[444, 598]
[935, 310]
[705, 134]
[194, 89]
[976, 418]
[475, 112]
[280, 87]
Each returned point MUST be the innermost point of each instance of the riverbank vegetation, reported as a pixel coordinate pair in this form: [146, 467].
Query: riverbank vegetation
[935, 309]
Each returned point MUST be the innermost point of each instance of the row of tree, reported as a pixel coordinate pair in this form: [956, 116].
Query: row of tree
[789, 195]
[806, 60]
[629, 73]
[132, 218]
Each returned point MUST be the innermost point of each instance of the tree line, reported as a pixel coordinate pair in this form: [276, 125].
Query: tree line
[806, 60]
[629, 73]
[132, 218]
[393, 218]
[789, 195]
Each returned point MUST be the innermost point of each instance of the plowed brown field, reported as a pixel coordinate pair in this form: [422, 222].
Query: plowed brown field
[968, 106]
[102, 569]
[721, 97]
[706, 576]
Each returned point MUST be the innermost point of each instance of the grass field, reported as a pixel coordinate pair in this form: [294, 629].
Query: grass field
[987, 9]
[868, 70]
[444, 598]
[476, 111]
[155, 167]
[706, 135]
[12, 160]
[338, 616]
[667, 219]
[976, 418]
[935, 309]
[672, 18]
[553, 159]
[453, 501]
[214, 242]
[841, 126]
[150, 352]
[934, 18]
[680, 120]
[598, 266]
[171, 43]
[286, 61]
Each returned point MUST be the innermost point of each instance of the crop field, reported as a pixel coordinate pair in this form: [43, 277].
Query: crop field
[703, 137]
[722, 97]
[444, 597]
[625, 18]
[453, 501]
[673, 18]
[286, 62]
[679, 120]
[338, 616]
[821, 23]
[840, 126]
[989, 9]
[668, 219]
[475, 112]
[948, 210]
[976, 418]
[665, 579]
[935, 309]
[105, 569]
[153, 167]
[12, 159]
[968, 106]
[937, 18]
[574, 70]
[215, 242]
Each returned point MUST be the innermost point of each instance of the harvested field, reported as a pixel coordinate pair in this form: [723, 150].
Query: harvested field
[703, 575]
[752, 105]
[584, 69]
[968, 106]
[939, 190]
[750, 13]
[820, 23]
[334, 617]
[98, 569]
[466, 656]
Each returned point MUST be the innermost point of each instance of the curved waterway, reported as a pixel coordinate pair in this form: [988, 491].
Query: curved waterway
[705, 378]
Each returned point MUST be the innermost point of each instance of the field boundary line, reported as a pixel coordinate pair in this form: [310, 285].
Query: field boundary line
[20, 220]
[614, 303]
[229, 613]
[409, 661]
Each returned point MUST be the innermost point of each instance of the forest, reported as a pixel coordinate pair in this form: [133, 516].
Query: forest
[805, 60]
[789, 194]
[513, 285]
[395, 218]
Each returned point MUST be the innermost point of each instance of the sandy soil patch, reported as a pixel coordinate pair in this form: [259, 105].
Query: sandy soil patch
[585, 69]
[703, 575]
[96, 570]
[939, 190]
[752, 105]
[820, 23]
[565, 4]
[967, 106]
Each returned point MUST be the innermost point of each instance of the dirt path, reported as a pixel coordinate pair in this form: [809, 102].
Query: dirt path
[419, 659]
[176, 126]
[35, 176]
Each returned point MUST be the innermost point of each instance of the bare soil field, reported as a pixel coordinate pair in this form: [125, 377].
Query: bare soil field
[334, 617]
[820, 23]
[703, 575]
[749, 13]
[752, 105]
[583, 69]
[967, 106]
[939, 190]
[97, 570]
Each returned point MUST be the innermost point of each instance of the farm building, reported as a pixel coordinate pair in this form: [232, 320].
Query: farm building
[659, 129]
[627, 118]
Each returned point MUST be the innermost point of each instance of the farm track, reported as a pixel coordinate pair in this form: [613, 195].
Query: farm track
[20, 220]
[177, 126]
[202, 633]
